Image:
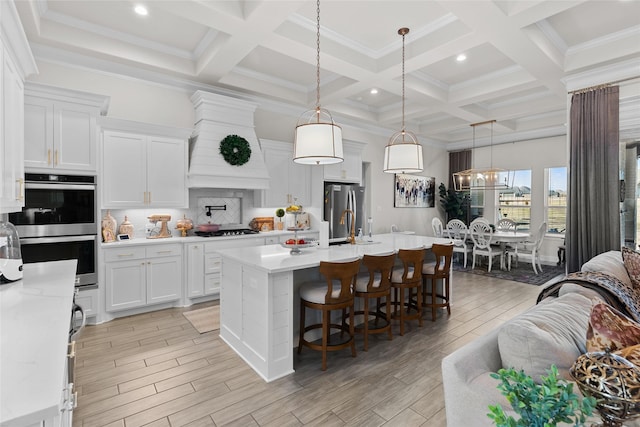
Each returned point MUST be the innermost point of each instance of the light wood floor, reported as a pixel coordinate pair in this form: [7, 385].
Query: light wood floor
[155, 369]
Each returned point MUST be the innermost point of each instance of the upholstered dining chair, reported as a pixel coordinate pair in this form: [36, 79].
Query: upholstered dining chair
[407, 306]
[375, 284]
[481, 234]
[432, 272]
[436, 225]
[458, 233]
[336, 292]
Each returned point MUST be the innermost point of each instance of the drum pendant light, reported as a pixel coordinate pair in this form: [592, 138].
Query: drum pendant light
[318, 140]
[403, 153]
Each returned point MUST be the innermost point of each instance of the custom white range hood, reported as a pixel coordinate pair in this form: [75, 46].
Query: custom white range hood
[218, 116]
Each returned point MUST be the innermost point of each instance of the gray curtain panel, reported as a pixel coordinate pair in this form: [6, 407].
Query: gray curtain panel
[593, 214]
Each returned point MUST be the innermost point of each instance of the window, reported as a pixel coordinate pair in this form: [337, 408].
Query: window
[515, 202]
[556, 201]
[476, 204]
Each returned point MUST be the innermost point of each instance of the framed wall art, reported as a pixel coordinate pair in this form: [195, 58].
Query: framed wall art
[414, 191]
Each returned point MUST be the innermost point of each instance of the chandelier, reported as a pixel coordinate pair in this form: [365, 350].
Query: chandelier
[403, 153]
[318, 140]
[487, 178]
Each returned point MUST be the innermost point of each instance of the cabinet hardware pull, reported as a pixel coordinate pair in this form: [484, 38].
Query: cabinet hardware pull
[72, 350]
[49, 156]
[145, 198]
[55, 158]
[164, 252]
[20, 189]
[123, 255]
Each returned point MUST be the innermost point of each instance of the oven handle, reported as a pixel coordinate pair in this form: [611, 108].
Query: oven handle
[39, 186]
[60, 239]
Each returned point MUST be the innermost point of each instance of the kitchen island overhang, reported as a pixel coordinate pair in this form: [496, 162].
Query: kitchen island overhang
[259, 295]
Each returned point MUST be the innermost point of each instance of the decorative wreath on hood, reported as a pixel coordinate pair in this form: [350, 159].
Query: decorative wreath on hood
[235, 150]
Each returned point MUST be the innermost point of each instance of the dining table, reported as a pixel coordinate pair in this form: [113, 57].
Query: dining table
[503, 238]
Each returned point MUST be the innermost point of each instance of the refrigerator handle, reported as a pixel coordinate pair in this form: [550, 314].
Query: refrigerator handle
[349, 207]
[354, 205]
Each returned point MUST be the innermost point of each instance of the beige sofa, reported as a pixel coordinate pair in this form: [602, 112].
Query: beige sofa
[551, 332]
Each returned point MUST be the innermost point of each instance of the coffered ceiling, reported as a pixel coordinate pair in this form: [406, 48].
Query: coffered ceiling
[519, 54]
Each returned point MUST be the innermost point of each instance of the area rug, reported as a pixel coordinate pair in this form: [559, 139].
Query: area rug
[522, 273]
[204, 319]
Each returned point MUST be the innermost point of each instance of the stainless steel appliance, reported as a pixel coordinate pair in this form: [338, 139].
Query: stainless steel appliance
[59, 222]
[226, 232]
[339, 197]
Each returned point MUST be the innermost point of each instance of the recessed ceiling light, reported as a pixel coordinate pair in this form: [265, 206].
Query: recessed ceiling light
[141, 10]
[374, 91]
[462, 57]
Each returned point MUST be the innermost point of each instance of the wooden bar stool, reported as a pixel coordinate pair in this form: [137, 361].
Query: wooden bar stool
[432, 272]
[336, 292]
[375, 283]
[408, 278]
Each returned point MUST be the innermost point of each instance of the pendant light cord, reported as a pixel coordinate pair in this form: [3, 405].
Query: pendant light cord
[318, 56]
[403, 31]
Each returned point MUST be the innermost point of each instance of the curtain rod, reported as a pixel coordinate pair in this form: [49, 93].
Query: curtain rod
[601, 86]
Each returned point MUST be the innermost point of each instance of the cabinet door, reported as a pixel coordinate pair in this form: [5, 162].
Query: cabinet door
[74, 137]
[38, 133]
[124, 170]
[164, 279]
[166, 173]
[277, 162]
[195, 270]
[12, 157]
[126, 284]
[350, 170]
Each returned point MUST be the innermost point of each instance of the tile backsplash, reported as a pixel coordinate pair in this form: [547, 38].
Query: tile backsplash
[230, 214]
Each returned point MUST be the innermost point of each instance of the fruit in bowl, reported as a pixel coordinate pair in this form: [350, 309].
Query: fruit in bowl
[290, 242]
[294, 208]
[301, 241]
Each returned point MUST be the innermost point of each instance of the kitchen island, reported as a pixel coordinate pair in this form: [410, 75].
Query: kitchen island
[259, 295]
[35, 315]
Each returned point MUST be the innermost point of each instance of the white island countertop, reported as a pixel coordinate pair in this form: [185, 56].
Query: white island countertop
[276, 258]
[34, 330]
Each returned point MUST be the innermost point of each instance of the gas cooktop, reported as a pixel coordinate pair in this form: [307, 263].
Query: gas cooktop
[228, 232]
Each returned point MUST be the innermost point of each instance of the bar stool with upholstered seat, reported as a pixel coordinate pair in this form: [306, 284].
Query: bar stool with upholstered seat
[336, 292]
[375, 283]
[432, 272]
[409, 278]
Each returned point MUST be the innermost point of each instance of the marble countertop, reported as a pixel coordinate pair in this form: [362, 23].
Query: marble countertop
[276, 258]
[34, 330]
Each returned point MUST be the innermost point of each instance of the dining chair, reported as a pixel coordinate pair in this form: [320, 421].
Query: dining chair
[432, 272]
[533, 247]
[458, 233]
[335, 292]
[511, 250]
[375, 283]
[436, 225]
[506, 224]
[481, 234]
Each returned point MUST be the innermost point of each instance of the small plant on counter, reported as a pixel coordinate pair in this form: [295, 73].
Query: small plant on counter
[539, 405]
[280, 214]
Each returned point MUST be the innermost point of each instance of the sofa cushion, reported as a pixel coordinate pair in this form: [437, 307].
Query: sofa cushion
[551, 334]
[610, 329]
[631, 261]
[609, 262]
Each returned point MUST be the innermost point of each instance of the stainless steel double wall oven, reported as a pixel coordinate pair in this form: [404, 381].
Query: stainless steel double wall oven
[59, 222]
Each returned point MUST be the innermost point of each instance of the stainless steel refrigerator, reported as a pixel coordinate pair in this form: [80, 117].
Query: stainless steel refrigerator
[339, 197]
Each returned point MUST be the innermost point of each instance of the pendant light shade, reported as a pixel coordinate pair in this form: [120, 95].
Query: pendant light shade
[403, 153]
[487, 178]
[318, 140]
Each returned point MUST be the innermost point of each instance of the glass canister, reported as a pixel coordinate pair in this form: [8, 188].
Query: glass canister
[10, 255]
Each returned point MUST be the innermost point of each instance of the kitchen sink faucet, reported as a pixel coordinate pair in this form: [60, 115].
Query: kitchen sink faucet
[352, 234]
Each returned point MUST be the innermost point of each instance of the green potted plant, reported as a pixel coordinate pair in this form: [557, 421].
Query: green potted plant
[279, 214]
[454, 203]
[539, 405]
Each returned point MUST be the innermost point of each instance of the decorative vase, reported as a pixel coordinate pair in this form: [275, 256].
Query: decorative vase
[109, 225]
[126, 227]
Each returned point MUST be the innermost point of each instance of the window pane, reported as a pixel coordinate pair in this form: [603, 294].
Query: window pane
[556, 209]
[515, 202]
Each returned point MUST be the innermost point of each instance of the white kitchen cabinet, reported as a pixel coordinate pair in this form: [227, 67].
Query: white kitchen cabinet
[350, 170]
[287, 180]
[144, 169]
[16, 63]
[60, 128]
[88, 297]
[137, 276]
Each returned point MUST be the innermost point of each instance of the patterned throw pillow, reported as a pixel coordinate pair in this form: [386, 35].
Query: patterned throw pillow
[631, 261]
[632, 354]
[610, 329]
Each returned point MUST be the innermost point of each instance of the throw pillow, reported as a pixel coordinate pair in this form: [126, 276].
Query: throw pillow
[552, 333]
[632, 354]
[610, 329]
[631, 261]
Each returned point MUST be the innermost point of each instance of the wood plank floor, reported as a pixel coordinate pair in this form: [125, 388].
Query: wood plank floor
[155, 369]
